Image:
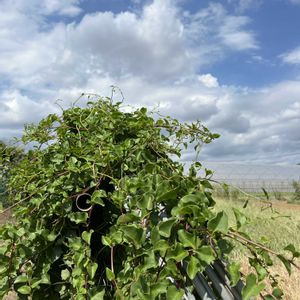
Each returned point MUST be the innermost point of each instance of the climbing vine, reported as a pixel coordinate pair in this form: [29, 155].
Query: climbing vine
[103, 211]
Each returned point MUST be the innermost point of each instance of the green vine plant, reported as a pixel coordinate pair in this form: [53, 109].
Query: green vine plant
[102, 211]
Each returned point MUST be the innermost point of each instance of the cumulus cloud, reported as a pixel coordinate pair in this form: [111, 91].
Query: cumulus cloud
[150, 45]
[292, 57]
[221, 32]
[18, 109]
[265, 123]
[155, 56]
[236, 38]
[208, 80]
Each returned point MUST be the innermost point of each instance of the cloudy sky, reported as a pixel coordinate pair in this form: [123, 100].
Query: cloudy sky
[234, 64]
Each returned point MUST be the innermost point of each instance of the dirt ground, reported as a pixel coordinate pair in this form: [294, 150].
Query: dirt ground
[289, 284]
[5, 216]
[10, 296]
[281, 205]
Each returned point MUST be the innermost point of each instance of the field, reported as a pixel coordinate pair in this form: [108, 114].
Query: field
[276, 226]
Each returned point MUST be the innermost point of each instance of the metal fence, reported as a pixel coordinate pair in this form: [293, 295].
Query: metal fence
[252, 178]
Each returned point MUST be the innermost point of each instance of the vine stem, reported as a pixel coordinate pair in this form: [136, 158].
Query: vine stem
[112, 258]
[243, 240]
[20, 201]
[28, 197]
[15, 204]
[112, 263]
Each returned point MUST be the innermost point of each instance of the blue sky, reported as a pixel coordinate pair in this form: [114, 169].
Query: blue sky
[234, 64]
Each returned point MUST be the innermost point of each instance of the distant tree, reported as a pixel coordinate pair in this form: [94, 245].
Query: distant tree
[9, 157]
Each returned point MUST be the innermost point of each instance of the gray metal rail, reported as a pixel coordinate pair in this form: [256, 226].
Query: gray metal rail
[214, 284]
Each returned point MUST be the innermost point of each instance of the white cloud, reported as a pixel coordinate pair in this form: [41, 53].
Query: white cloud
[242, 5]
[158, 44]
[221, 32]
[17, 109]
[236, 38]
[150, 45]
[248, 124]
[34, 8]
[154, 56]
[208, 80]
[292, 57]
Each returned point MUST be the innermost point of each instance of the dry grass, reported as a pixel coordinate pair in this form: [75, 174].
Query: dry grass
[5, 216]
[278, 226]
[10, 296]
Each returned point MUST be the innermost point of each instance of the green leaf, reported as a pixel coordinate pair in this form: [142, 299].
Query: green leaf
[177, 252]
[134, 234]
[98, 296]
[78, 217]
[261, 271]
[234, 272]
[188, 239]
[219, 223]
[241, 219]
[146, 201]
[97, 197]
[75, 243]
[127, 218]
[91, 269]
[267, 258]
[252, 288]
[171, 194]
[265, 193]
[193, 267]
[206, 184]
[187, 209]
[192, 199]
[109, 274]
[277, 293]
[51, 237]
[86, 236]
[143, 110]
[165, 227]
[117, 237]
[246, 203]
[286, 263]
[24, 290]
[20, 232]
[174, 294]
[106, 241]
[65, 274]
[206, 254]
[162, 246]
[21, 278]
[292, 249]
[159, 288]
[150, 261]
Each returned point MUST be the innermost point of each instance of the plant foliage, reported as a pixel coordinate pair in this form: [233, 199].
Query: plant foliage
[103, 212]
[296, 186]
[10, 156]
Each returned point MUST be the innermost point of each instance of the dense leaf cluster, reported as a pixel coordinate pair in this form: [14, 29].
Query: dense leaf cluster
[103, 212]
